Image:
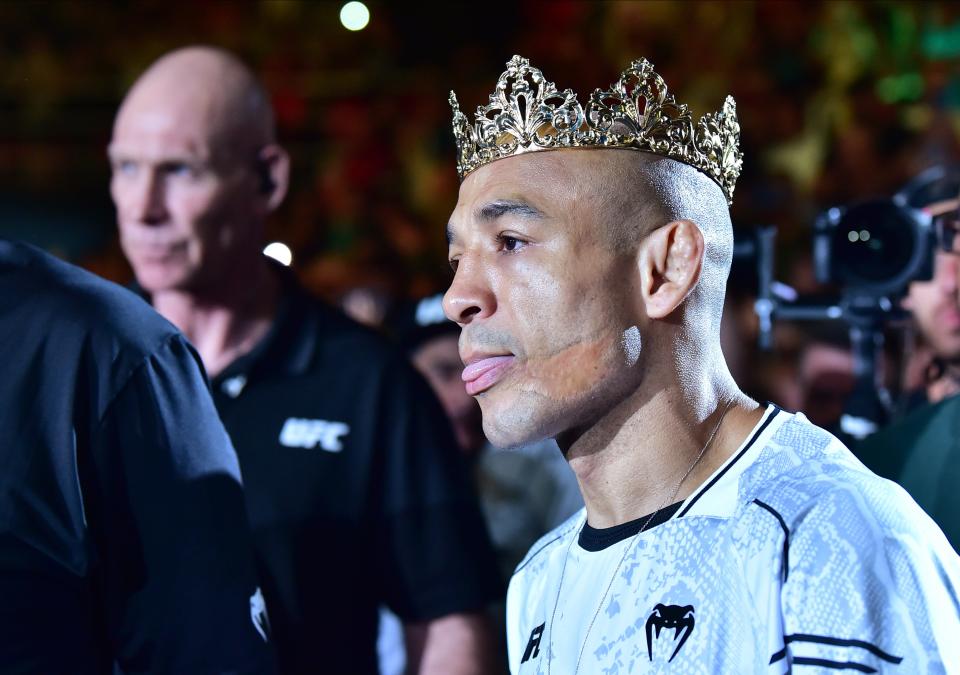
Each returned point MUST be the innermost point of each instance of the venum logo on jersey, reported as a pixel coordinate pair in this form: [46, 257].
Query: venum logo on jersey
[258, 614]
[663, 618]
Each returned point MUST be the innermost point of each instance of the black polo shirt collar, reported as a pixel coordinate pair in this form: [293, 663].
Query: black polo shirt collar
[288, 347]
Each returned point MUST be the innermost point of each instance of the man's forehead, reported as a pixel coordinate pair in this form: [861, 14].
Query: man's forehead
[563, 170]
[160, 128]
[533, 167]
[536, 179]
[549, 181]
[160, 146]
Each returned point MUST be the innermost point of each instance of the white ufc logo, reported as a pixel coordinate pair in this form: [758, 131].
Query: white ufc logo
[298, 432]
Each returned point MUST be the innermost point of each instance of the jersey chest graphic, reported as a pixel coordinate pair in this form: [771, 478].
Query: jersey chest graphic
[298, 432]
[667, 618]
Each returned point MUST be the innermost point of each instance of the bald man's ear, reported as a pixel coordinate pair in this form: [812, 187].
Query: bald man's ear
[273, 168]
[670, 259]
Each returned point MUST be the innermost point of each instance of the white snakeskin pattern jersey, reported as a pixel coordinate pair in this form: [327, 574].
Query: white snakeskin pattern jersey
[792, 557]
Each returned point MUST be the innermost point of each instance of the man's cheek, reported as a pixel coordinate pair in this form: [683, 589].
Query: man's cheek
[570, 371]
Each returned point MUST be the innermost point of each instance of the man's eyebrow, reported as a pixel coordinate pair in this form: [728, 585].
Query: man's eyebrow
[502, 207]
[496, 209]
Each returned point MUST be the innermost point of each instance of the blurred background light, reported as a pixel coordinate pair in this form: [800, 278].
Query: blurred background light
[354, 16]
[279, 252]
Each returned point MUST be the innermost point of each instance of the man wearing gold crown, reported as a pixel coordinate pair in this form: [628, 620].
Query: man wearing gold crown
[719, 535]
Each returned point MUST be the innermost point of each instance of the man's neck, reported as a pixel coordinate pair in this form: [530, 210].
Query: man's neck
[227, 321]
[630, 462]
[947, 385]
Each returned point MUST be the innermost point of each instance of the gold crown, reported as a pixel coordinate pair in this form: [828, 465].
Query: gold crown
[526, 113]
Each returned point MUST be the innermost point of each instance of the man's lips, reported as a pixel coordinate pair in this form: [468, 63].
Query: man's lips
[483, 373]
[950, 318]
[158, 253]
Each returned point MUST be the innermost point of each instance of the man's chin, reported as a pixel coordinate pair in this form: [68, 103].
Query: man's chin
[154, 284]
[511, 441]
[520, 414]
[159, 278]
[512, 429]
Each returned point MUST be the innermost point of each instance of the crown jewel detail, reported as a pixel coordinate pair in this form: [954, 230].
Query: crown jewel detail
[526, 113]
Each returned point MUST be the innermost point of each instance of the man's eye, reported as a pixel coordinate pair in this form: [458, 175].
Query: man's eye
[124, 167]
[181, 169]
[454, 264]
[510, 243]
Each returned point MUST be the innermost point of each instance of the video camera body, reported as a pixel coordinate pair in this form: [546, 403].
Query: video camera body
[871, 250]
[876, 248]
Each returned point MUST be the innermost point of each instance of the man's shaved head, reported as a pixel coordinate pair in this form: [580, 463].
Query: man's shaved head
[640, 192]
[211, 85]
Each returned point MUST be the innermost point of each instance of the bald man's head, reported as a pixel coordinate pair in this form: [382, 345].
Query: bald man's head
[196, 170]
[212, 89]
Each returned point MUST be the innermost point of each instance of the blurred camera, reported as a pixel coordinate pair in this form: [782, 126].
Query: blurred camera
[874, 249]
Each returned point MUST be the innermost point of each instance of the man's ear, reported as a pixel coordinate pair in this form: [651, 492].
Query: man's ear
[670, 260]
[273, 167]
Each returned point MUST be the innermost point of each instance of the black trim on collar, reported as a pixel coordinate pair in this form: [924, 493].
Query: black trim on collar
[743, 451]
[594, 539]
[563, 532]
[533, 555]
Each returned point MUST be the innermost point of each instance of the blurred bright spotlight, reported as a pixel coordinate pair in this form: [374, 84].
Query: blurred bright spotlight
[279, 252]
[354, 16]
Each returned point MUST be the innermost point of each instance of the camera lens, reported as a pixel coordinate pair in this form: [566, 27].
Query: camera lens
[873, 242]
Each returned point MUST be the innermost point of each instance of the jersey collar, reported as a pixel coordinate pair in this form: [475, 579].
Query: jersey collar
[718, 495]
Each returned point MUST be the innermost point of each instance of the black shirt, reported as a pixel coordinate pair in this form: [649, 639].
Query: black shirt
[121, 530]
[355, 489]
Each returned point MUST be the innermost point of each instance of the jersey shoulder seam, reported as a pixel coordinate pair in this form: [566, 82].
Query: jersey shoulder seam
[547, 540]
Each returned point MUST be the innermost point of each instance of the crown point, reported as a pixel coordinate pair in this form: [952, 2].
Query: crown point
[518, 62]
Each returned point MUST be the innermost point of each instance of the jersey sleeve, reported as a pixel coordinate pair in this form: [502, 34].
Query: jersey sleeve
[870, 584]
[434, 553]
[165, 509]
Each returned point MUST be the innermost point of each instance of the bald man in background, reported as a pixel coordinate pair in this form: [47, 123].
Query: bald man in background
[354, 489]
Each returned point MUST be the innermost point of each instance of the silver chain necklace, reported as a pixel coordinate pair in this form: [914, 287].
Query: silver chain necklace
[626, 550]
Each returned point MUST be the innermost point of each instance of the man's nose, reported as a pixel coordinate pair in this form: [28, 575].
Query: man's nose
[149, 199]
[469, 296]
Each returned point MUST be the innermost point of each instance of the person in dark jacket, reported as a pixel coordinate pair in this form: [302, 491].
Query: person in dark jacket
[123, 545]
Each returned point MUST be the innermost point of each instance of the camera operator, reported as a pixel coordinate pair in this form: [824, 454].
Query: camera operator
[922, 450]
[935, 307]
